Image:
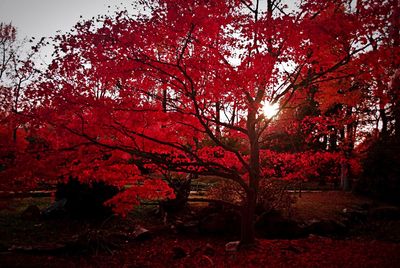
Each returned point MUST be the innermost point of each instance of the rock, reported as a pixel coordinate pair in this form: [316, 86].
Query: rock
[354, 215]
[274, 226]
[178, 253]
[293, 249]
[232, 246]
[385, 213]
[118, 238]
[206, 261]
[56, 209]
[187, 227]
[43, 248]
[3, 247]
[31, 213]
[325, 227]
[140, 233]
[93, 241]
[209, 250]
[213, 223]
[210, 209]
[226, 222]
[364, 206]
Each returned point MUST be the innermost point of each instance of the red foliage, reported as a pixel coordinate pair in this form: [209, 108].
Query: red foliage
[180, 86]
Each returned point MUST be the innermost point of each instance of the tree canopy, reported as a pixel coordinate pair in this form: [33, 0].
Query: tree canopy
[180, 86]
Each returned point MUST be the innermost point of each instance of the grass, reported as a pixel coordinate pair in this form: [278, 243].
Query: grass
[325, 205]
[17, 231]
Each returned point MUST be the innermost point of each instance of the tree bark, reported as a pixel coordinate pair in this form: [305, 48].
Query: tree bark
[164, 100]
[249, 205]
[384, 131]
[396, 115]
[218, 118]
[348, 142]
[344, 176]
[395, 35]
[333, 139]
[247, 231]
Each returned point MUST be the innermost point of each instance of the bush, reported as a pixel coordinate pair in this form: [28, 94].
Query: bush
[381, 171]
[272, 195]
[84, 200]
[227, 191]
[181, 186]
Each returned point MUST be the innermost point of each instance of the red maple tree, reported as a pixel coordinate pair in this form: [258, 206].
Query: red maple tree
[179, 86]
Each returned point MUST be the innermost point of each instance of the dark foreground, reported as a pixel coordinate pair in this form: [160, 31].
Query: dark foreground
[201, 252]
[55, 243]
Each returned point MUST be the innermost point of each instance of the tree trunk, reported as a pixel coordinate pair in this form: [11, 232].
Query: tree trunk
[249, 206]
[382, 113]
[14, 134]
[164, 100]
[348, 147]
[181, 189]
[247, 231]
[218, 115]
[395, 35]
[344, 176]
[332, 139]
[396, 115]
[325, 142]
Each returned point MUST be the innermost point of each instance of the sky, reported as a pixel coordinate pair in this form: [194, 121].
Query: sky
[43, 18]
[46, 18]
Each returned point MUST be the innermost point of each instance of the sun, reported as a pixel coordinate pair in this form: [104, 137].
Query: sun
[269, 109]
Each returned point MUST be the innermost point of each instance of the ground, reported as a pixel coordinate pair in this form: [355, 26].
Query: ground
[42, 243]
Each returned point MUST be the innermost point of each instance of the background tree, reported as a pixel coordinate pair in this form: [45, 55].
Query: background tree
[17, 70]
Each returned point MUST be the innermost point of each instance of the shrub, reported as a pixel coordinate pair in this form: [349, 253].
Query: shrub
[272, 195]
[86, 200]
[181, 186]
[381, 171]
